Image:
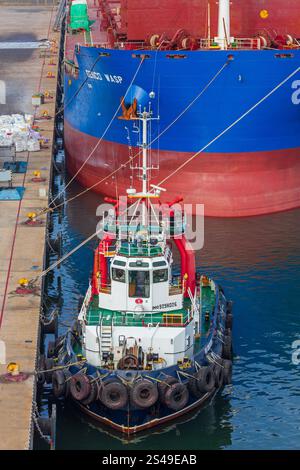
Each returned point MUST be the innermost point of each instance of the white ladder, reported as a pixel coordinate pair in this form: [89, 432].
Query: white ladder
[106, 337]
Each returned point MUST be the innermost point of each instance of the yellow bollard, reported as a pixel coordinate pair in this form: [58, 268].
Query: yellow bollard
[13, 368]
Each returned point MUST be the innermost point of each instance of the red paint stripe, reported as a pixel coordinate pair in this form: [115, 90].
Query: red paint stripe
[20, 202]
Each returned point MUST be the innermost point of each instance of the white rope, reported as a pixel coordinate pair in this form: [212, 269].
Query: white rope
[101, 138]
[229, 127]
[181, 166]
[70, 253]
[149, 145]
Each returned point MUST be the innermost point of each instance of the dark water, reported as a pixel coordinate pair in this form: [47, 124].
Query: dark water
[257, 262]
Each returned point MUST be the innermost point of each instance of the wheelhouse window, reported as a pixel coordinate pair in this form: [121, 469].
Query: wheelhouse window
[139, 284]
[160, 275]
[118, 275]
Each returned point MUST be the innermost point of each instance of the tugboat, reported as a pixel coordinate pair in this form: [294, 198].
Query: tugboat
[150, 343]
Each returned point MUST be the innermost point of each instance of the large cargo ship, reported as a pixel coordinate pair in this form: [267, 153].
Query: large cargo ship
[225, 79]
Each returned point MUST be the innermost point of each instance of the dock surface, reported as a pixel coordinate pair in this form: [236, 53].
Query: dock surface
[24, 72]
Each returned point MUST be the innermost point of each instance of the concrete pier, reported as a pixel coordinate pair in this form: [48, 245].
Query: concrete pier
[22, 247]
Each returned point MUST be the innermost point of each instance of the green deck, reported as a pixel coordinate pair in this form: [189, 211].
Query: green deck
[96, 315]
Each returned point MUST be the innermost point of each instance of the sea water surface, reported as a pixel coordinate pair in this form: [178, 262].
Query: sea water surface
[257, 261]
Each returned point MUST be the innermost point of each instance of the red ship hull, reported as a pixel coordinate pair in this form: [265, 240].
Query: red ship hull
[228, 184]
[141, 18]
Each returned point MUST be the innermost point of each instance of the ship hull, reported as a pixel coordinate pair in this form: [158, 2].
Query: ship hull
[252, 168]
[155, 422]
[228, 185]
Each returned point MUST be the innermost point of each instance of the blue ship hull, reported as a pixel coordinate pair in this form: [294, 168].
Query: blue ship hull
[252, 168]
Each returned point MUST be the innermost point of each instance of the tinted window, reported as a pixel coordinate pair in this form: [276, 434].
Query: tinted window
[160, 275]
[119, 263]
[118, 274]
[156, 264]
[139, 264]
[139, 284]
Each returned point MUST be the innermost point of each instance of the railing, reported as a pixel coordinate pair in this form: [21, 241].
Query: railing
[204, 43]
[147, 250]
[238, 43]
[86, 302]
[152, 319]
[124, 229]
[132, 45]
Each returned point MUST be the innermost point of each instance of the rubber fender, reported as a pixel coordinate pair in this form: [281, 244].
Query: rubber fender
[192, 386]
[227, 347]
[229, 321]
[49, 364]
[163, 385]
[205, 379]
[58, 383]
[227, 367]
[144, 394]
[219, 375]
[40, 378]
[176, 396]
[93, 393]
[80, 386]
[113, 395]
[51, 349]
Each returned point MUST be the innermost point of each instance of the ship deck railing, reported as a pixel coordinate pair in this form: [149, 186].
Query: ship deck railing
[144, 250]
[124, 229]
[175, 318]
[238, 43]
[203, 43]
[178, 318]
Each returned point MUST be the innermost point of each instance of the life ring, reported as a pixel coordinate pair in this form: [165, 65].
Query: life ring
[113, 395]
[204, 381]
[227, 346]
[80, 386]
[219, 375]
[227, 367]
[176, 396]
[144, 394]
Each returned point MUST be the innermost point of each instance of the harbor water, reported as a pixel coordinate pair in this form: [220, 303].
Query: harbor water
[256, 260]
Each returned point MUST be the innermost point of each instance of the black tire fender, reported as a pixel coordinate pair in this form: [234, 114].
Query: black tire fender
[219, 375]
[163, 385]
[205, 379]
[144, 393]
[58, 383]
[51, 349]
[40, 378]
[227, 365]
[227, 347]
[176, 396]
[80, 386]
[48, 365]
[229, 321]
[93, 393]
[113, 395]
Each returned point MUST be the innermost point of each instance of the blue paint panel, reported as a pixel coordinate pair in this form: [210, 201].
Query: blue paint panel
[274, 125]
[12, 194]
[16, 167]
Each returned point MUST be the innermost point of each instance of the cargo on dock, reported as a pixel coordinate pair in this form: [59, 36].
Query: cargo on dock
[24, 72]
